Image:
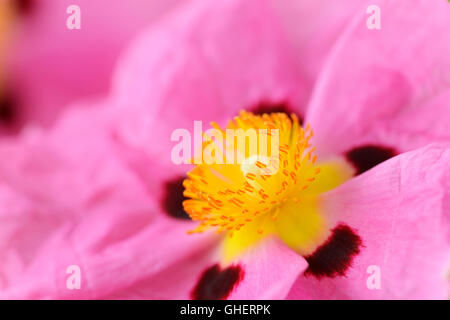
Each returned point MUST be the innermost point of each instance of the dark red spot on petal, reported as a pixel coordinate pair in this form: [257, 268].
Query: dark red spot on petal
[7, 110]
[268, 107]
[366, 157]
[24, 6]
[335, 256]
[217, 284]
[173, 198]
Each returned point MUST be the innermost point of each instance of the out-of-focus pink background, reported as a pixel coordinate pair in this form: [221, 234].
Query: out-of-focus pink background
[47, 66]
[86, 117]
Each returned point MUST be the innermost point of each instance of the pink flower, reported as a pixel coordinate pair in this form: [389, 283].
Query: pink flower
[98, 190]
[48, 65]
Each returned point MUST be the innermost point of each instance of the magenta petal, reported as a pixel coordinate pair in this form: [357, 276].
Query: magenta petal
[400, 211]
[389, 86]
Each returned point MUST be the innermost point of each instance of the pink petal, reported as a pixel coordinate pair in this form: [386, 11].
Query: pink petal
[83, 206]
[400, 211]
[49, 65]
[85, 200]
[270, 269]
[205, 62]
[69, 197]
[322, 22]
[387, 86]
[121, 255]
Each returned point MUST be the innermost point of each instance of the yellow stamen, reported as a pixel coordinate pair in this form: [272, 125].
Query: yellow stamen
[265, 194]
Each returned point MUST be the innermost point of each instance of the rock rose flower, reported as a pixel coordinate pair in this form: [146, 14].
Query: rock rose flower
[363, 183]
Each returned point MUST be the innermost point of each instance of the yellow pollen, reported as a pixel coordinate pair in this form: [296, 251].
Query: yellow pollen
[228, 196]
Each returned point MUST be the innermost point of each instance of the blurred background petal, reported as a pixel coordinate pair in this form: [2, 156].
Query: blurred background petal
[48, 65]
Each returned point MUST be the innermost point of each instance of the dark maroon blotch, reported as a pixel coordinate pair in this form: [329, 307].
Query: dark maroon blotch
[172, 201]
[24, 6]
[217, 284]
[335, 256]
[366, 157]
[269, 107]
[7, 110]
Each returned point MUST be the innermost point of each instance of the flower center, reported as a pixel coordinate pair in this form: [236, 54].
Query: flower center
[267, 192]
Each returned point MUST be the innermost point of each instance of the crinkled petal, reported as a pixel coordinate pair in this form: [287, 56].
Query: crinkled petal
[387, 86]
[400, 210]
[120, 255]
[69, 197]
[204, 62]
